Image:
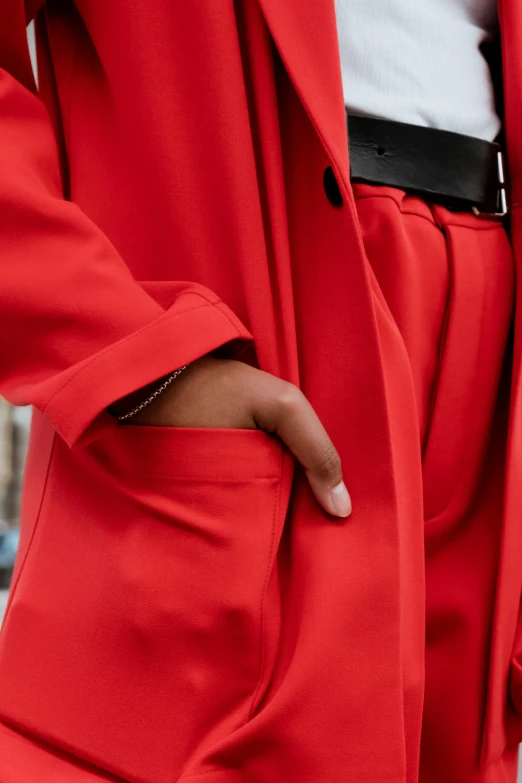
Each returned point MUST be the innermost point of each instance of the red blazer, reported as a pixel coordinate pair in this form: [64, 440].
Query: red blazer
[158, 651]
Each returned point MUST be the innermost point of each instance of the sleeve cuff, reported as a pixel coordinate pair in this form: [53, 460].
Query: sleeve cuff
[192, 327]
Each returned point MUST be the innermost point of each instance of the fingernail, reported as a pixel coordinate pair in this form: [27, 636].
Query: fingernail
[341, 500]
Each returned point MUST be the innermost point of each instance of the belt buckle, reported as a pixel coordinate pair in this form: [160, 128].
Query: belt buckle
[502, 202]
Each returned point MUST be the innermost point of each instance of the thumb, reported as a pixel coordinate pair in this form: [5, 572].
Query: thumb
[326, 481]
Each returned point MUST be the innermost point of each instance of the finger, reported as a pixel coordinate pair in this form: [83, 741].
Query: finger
[294, 420]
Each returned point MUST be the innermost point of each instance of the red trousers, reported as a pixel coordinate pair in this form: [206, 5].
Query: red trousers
[447, 279]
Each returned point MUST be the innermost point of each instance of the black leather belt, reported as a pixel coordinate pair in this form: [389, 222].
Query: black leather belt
[460, 172]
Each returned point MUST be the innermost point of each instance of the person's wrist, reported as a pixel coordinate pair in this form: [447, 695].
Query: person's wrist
[127, 403]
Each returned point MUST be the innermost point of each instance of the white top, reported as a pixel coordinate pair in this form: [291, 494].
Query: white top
[418, 61]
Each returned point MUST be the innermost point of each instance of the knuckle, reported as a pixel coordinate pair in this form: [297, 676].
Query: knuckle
[329, 465]
[290, 398]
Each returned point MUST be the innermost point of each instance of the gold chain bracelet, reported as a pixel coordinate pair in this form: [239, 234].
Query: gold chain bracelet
[153, 396]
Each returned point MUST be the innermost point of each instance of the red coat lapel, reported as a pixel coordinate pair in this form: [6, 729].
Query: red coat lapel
[306, 37]
[14, 50]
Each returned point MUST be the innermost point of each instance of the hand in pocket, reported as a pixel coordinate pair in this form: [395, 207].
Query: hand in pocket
[222, 393]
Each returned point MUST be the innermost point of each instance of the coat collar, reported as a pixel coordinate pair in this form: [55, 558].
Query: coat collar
[305, 35]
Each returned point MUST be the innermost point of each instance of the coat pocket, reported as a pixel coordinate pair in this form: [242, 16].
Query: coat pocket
[134, 638]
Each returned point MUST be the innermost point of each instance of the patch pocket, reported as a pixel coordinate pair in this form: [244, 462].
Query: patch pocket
[134, 637]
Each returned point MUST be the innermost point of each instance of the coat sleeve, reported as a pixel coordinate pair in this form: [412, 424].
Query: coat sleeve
[77, 332]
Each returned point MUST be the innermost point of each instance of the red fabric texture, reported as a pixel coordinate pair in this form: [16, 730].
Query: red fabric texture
[448, 281]
[77, 318]
[165, 624]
